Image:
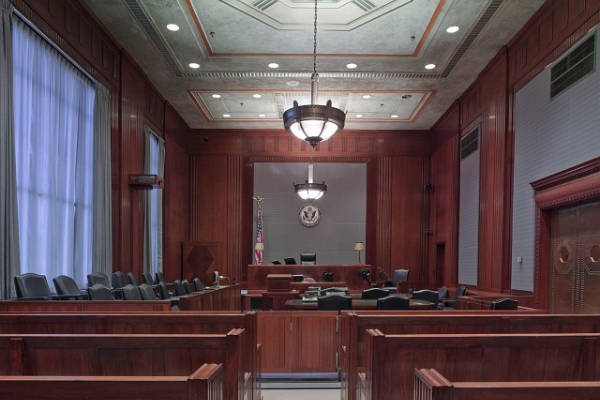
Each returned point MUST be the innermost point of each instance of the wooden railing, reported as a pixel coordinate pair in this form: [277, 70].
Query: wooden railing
[206, 383]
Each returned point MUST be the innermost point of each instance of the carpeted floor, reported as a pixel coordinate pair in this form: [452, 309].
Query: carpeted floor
[301, 394]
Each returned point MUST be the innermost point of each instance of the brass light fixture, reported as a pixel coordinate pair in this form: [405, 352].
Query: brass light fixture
[310, 190]
[314, 123]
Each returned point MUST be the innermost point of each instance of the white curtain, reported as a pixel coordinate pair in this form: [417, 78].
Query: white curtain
[102, 250]
[9, 230]
[54, 143]
[153, 220]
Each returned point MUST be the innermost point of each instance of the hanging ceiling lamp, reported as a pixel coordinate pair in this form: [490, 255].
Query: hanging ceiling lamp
[314, 122]
[310, 190]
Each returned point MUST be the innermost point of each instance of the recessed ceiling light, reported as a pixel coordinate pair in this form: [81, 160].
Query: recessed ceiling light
[173, 27]
[226, 115]
[394, 115]
[194, 65]
[261, 115]
[257, 96]
[366, 96]
[273, 65]
[430, 66]
[358, 115]
[216, 96]
[452, 29]
[292, 83]
[351, 66]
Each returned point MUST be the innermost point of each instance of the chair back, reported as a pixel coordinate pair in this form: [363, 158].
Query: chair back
[504, 304]
[308, 258]
[147, 278]
[98, 277]
[187, 287]
[334, 302]
[460, 291]
[118, 280]
[393, 302]
[100, 292]
[131, 292]
[198, 286]
[442, 293]
[399, 276]
[160, 277]
[374, 293]
[147, 292]
[179, 289]
[32, 285]
[427, 295]
[65, 285]
[163, 291]
[132, 278]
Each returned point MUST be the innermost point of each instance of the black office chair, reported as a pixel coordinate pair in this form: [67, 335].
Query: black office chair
[393, 302]
[163, 291]
[131, 292]
[132, 279]
[308, 258]
[187, 287]
[147, 278]
[147, 292]
[427, 295]
[504, 304]
[334, 302]
[98, 277]
[66, 286]
[100, 292]
[118, 280]
[399, 276]
[198, 286]
[179, 289]
[374, 293]
[160, 277]
[451, 303]
[289, 261]
[32, 286]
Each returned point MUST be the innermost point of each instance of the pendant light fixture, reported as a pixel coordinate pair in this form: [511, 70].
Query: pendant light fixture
[314, 122]
[310, 190]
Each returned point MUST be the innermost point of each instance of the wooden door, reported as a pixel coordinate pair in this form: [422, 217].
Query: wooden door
[274, 332]
[575, 246]
[315, 341]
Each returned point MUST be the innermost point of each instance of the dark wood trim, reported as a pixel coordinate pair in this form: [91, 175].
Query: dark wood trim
[568, 175]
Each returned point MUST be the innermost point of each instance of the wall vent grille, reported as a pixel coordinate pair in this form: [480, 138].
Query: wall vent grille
[574, 66]
[469, 144]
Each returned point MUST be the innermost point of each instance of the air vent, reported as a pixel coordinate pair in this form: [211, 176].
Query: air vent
[469, 144]
[573, 67]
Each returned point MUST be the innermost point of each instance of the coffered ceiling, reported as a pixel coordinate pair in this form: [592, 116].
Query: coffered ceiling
[232, 43]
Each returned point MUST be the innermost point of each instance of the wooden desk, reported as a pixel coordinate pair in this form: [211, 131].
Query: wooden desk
[222, 298]
[357, 304]
[257, 274]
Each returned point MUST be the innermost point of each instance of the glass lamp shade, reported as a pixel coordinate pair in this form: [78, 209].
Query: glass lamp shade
[310, 191]
[314, 122]
[359, 246]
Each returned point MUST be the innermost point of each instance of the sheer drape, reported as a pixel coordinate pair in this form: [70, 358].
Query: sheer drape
[102, 250]
[54, 137]
[9, 229]
[153, 221]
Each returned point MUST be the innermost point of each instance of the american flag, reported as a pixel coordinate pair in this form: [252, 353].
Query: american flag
[258, 254]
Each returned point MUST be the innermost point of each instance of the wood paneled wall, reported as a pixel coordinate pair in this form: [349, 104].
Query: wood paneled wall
[489, 103]
[135, 103]
[397, 167]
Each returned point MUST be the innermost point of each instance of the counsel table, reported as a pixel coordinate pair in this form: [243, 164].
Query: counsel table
[357, 304]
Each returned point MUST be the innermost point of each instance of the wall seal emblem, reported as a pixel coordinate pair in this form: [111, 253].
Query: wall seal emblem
[309, 215]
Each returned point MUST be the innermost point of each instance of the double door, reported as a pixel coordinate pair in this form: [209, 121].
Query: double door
[575, 247]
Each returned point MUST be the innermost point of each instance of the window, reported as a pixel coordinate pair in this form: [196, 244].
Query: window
[54, 151]
[154, 214]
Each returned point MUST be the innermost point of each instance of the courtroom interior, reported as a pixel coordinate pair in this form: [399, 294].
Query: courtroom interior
[299, 199]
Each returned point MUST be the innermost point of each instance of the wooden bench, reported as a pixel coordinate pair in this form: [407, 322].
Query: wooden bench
[125, 355]
[431, 385]
[392, 359]
[206, 383]
[151, 323]
[354, 337]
